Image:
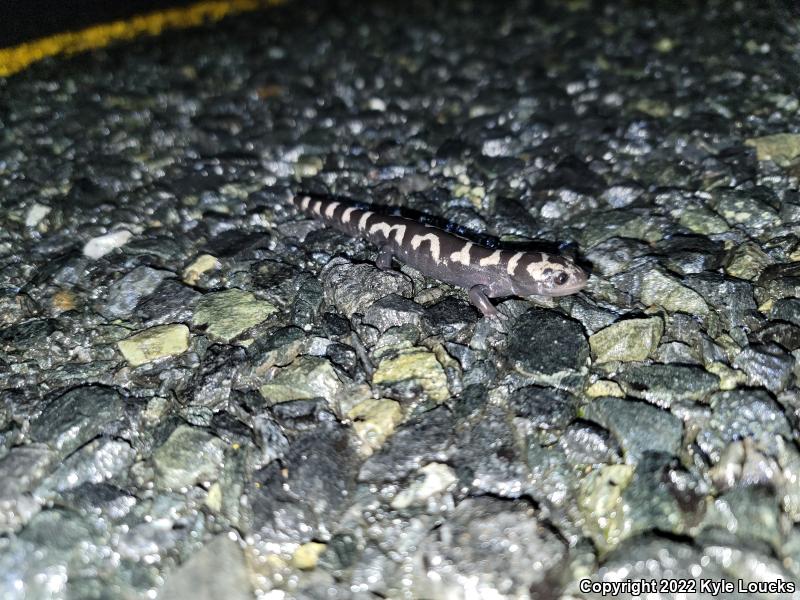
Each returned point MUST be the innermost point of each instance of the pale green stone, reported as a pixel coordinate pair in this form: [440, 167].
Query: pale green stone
[746, 211]
[374, 420]
[600, 502]
[189, 456]
[227, 314]
[307, 166]
[701, 220]
[655, 108]
[154, 343]
[418, 365]
[641, 228]
[729, 379]
[747, 261]
[307, 377]
[603, 387]
[781, 148]
[661, 290]
[435, 479]
[629, 340]
[307, 555]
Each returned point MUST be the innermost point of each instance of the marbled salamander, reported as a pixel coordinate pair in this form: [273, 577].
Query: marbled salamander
[485, 272]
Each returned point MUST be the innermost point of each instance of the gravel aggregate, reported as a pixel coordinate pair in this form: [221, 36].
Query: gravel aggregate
[201, 390]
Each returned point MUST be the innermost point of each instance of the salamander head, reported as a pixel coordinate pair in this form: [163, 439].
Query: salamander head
[548, 276]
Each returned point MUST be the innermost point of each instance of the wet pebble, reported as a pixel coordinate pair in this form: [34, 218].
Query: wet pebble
[740, 414]
[639, 427]
[189, 456]
[548, 347]
[407, 374]
[766, 365]
[78, 416]
[420, 440]
[169, 302]
[228, 314]
[665, 384]
[393, 310]
[353, 288]
[128, 290]
[528, 550]
[152, 344]
[100, 246]
[628, 340]
[316, 479]
[306, 377]
[21, 469]
[218, 569]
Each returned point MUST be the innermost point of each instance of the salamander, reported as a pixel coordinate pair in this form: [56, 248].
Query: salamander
[484, 272]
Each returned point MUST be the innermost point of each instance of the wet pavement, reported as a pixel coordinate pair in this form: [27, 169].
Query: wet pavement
[203, 394]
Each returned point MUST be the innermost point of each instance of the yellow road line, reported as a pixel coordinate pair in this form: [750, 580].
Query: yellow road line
[16, 58]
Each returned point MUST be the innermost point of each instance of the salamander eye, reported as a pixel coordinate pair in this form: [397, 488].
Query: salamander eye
[561, 278]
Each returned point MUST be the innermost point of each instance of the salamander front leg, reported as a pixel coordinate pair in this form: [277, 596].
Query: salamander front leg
[385, 258]
[477, 295]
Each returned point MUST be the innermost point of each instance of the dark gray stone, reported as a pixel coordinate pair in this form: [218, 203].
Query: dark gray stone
[526, 561]
[217, 375]
[741, 414]
[787, 309]
[786, 335]
[30, 334]
[489, 459]
[20, 470]
[766, 365]
[639, 427]
[426, 438]
[126, 293]
[78, 416]
[663, 496]
[547, 346]
[586, 443]
[615, 254]
[170, 302]
[687, 254]
[656, 557]
[392, 311]
[732, 297]
[305, 501]
[307, 303]
[665, 384]
[451, 316]
[543, 408]
[99, 499]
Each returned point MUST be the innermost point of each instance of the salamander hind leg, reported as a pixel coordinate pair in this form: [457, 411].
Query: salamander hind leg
[478, 297]
[385, 258]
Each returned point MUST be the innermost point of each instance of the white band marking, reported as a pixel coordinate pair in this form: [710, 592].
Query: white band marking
[462, 255]
[384, 228]
[401, 232]
[512, 263]
[346, 214]
[492, 259]
[434, 240]
[331, 209]
[387, 230]
[362, 223]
